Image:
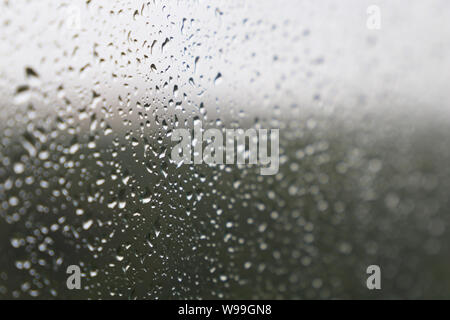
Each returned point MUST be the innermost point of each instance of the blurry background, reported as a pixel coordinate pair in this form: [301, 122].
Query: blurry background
[90, 92]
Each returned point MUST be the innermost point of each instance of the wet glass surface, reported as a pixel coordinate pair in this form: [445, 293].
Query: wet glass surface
[90, 93]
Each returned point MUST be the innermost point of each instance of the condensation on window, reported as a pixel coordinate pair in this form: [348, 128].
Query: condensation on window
[91, 92]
